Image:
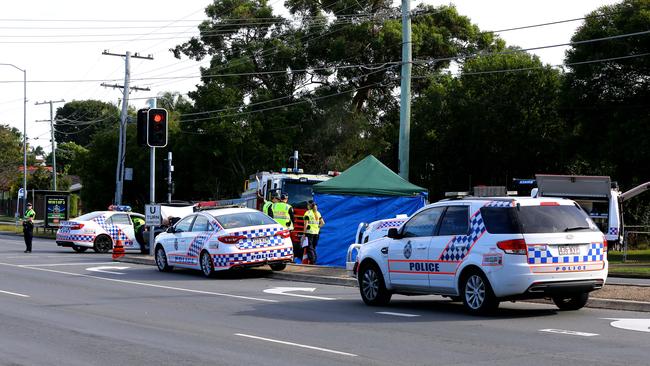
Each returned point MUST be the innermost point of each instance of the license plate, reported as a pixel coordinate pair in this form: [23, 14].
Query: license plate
[259, 240]
[569, 249]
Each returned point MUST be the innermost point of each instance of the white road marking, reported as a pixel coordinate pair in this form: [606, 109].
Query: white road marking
[104, 269]
[639, 325]
[397, 314]
[569, 332]
[13, 293]
[286, 291]
[66, 264]
[142, 283]
[296, 345]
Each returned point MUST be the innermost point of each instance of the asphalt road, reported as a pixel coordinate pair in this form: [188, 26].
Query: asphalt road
[57, 307]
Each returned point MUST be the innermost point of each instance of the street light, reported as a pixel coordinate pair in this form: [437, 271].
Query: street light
[24, 129]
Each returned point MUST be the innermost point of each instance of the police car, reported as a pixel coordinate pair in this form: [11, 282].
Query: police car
[100, 230]
[485, 250]
[221, 239]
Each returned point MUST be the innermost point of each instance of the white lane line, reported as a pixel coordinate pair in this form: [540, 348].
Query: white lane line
[569, 332]
[66, 264]
[296, 344]
[397, 314]
[287, 292]
[13, 293]
[143, 284]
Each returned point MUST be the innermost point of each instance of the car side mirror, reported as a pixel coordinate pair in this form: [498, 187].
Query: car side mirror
[171, 230]
[393, 233]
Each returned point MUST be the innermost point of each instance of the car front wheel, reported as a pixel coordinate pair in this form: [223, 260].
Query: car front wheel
[571, 303]
[372, 287]
[477, 294]
[161, 260]
[278, 266]
[207, 266]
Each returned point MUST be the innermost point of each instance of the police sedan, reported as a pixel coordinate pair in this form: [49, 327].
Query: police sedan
[221, 239]
[100, 230]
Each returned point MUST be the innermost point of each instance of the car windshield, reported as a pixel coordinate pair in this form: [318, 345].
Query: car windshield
[88, 216]
[536, 219]
[243, 219]
[299, 193]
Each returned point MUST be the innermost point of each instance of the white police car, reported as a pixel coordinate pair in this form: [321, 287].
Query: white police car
[221, 239]
[100, 230]
[485, 250]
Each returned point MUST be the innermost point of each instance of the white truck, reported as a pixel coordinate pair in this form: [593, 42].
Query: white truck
[601, 199]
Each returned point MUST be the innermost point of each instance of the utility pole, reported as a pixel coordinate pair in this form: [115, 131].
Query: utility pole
[52, 137]
[170, 184]
[405, 99]
[121, 148]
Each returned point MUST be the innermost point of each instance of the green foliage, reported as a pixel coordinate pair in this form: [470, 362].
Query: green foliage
[10, 154]
[78, 121]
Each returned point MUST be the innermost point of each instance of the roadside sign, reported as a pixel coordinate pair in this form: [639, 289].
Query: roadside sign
[152, 215]
[21, 193]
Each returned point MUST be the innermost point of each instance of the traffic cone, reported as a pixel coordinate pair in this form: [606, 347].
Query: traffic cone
[305, 257]
[118, 250]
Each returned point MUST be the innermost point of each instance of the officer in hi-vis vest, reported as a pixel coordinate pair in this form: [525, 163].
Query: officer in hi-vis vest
[282, 212]
[313, 222]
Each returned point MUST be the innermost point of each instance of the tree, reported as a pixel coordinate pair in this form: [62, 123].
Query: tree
[78, 121]
[607, 101]
[325, 88]
[487, 126]
[11, 155]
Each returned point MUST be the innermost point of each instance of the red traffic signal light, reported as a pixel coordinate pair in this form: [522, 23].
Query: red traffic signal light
[157, 127]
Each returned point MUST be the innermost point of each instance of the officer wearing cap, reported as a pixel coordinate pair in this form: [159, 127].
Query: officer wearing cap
[282, 212]
[28, 227]
[275, 197]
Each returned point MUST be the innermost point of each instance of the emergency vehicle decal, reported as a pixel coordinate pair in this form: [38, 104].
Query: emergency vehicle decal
[613, 231]
[540, 254]
[113, 231]
[390, 224]
[260, 238]
[231, 259]
[460, 245]
[197, 243]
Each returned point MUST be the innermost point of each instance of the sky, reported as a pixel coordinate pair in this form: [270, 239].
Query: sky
[60, 44]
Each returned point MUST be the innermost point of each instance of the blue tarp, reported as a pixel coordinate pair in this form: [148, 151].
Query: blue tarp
[343, 213]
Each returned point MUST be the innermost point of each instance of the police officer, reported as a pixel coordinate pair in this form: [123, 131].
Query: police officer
[275, 197]
[28, 227]
[282, 212]
[313, 222]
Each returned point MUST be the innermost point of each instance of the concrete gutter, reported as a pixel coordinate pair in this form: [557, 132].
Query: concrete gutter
[339, 277]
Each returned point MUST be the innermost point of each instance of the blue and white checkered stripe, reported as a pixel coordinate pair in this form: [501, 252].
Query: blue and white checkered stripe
[612, 231]
[113, 231]
[227, 260]
[197, 243]
[88, 238]
[251, 235]
[499, 204]
[460, 245]
[540, 254]
[390, 224]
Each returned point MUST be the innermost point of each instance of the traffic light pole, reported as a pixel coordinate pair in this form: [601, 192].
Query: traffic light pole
[152, 193]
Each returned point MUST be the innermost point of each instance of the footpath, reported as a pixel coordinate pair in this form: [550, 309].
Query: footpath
[618, 294]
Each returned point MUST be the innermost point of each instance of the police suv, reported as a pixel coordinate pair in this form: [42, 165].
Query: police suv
[485, 250]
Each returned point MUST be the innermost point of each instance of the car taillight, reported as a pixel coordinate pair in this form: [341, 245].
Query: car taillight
[76, 226]
[516, 246]
[231, 239]
[604, 243]
[283, 233]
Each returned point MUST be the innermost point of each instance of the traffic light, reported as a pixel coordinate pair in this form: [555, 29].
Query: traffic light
[157, 127]
[142, 127]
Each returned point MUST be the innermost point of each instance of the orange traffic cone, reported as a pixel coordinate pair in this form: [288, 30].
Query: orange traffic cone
[305, 257]
[118, 250]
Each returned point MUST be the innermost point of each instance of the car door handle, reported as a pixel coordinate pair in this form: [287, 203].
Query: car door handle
[384, 250]
[421, 247]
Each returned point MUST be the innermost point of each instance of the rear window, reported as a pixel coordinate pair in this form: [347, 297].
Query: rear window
[243, 219]
[536, 219]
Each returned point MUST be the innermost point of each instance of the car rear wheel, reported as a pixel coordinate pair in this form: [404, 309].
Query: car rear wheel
[278, 266]
[207, 266]
[161, 260]
[372, 287]
[571, 303]
[103, 244]
[477, 294]
[79, 249]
